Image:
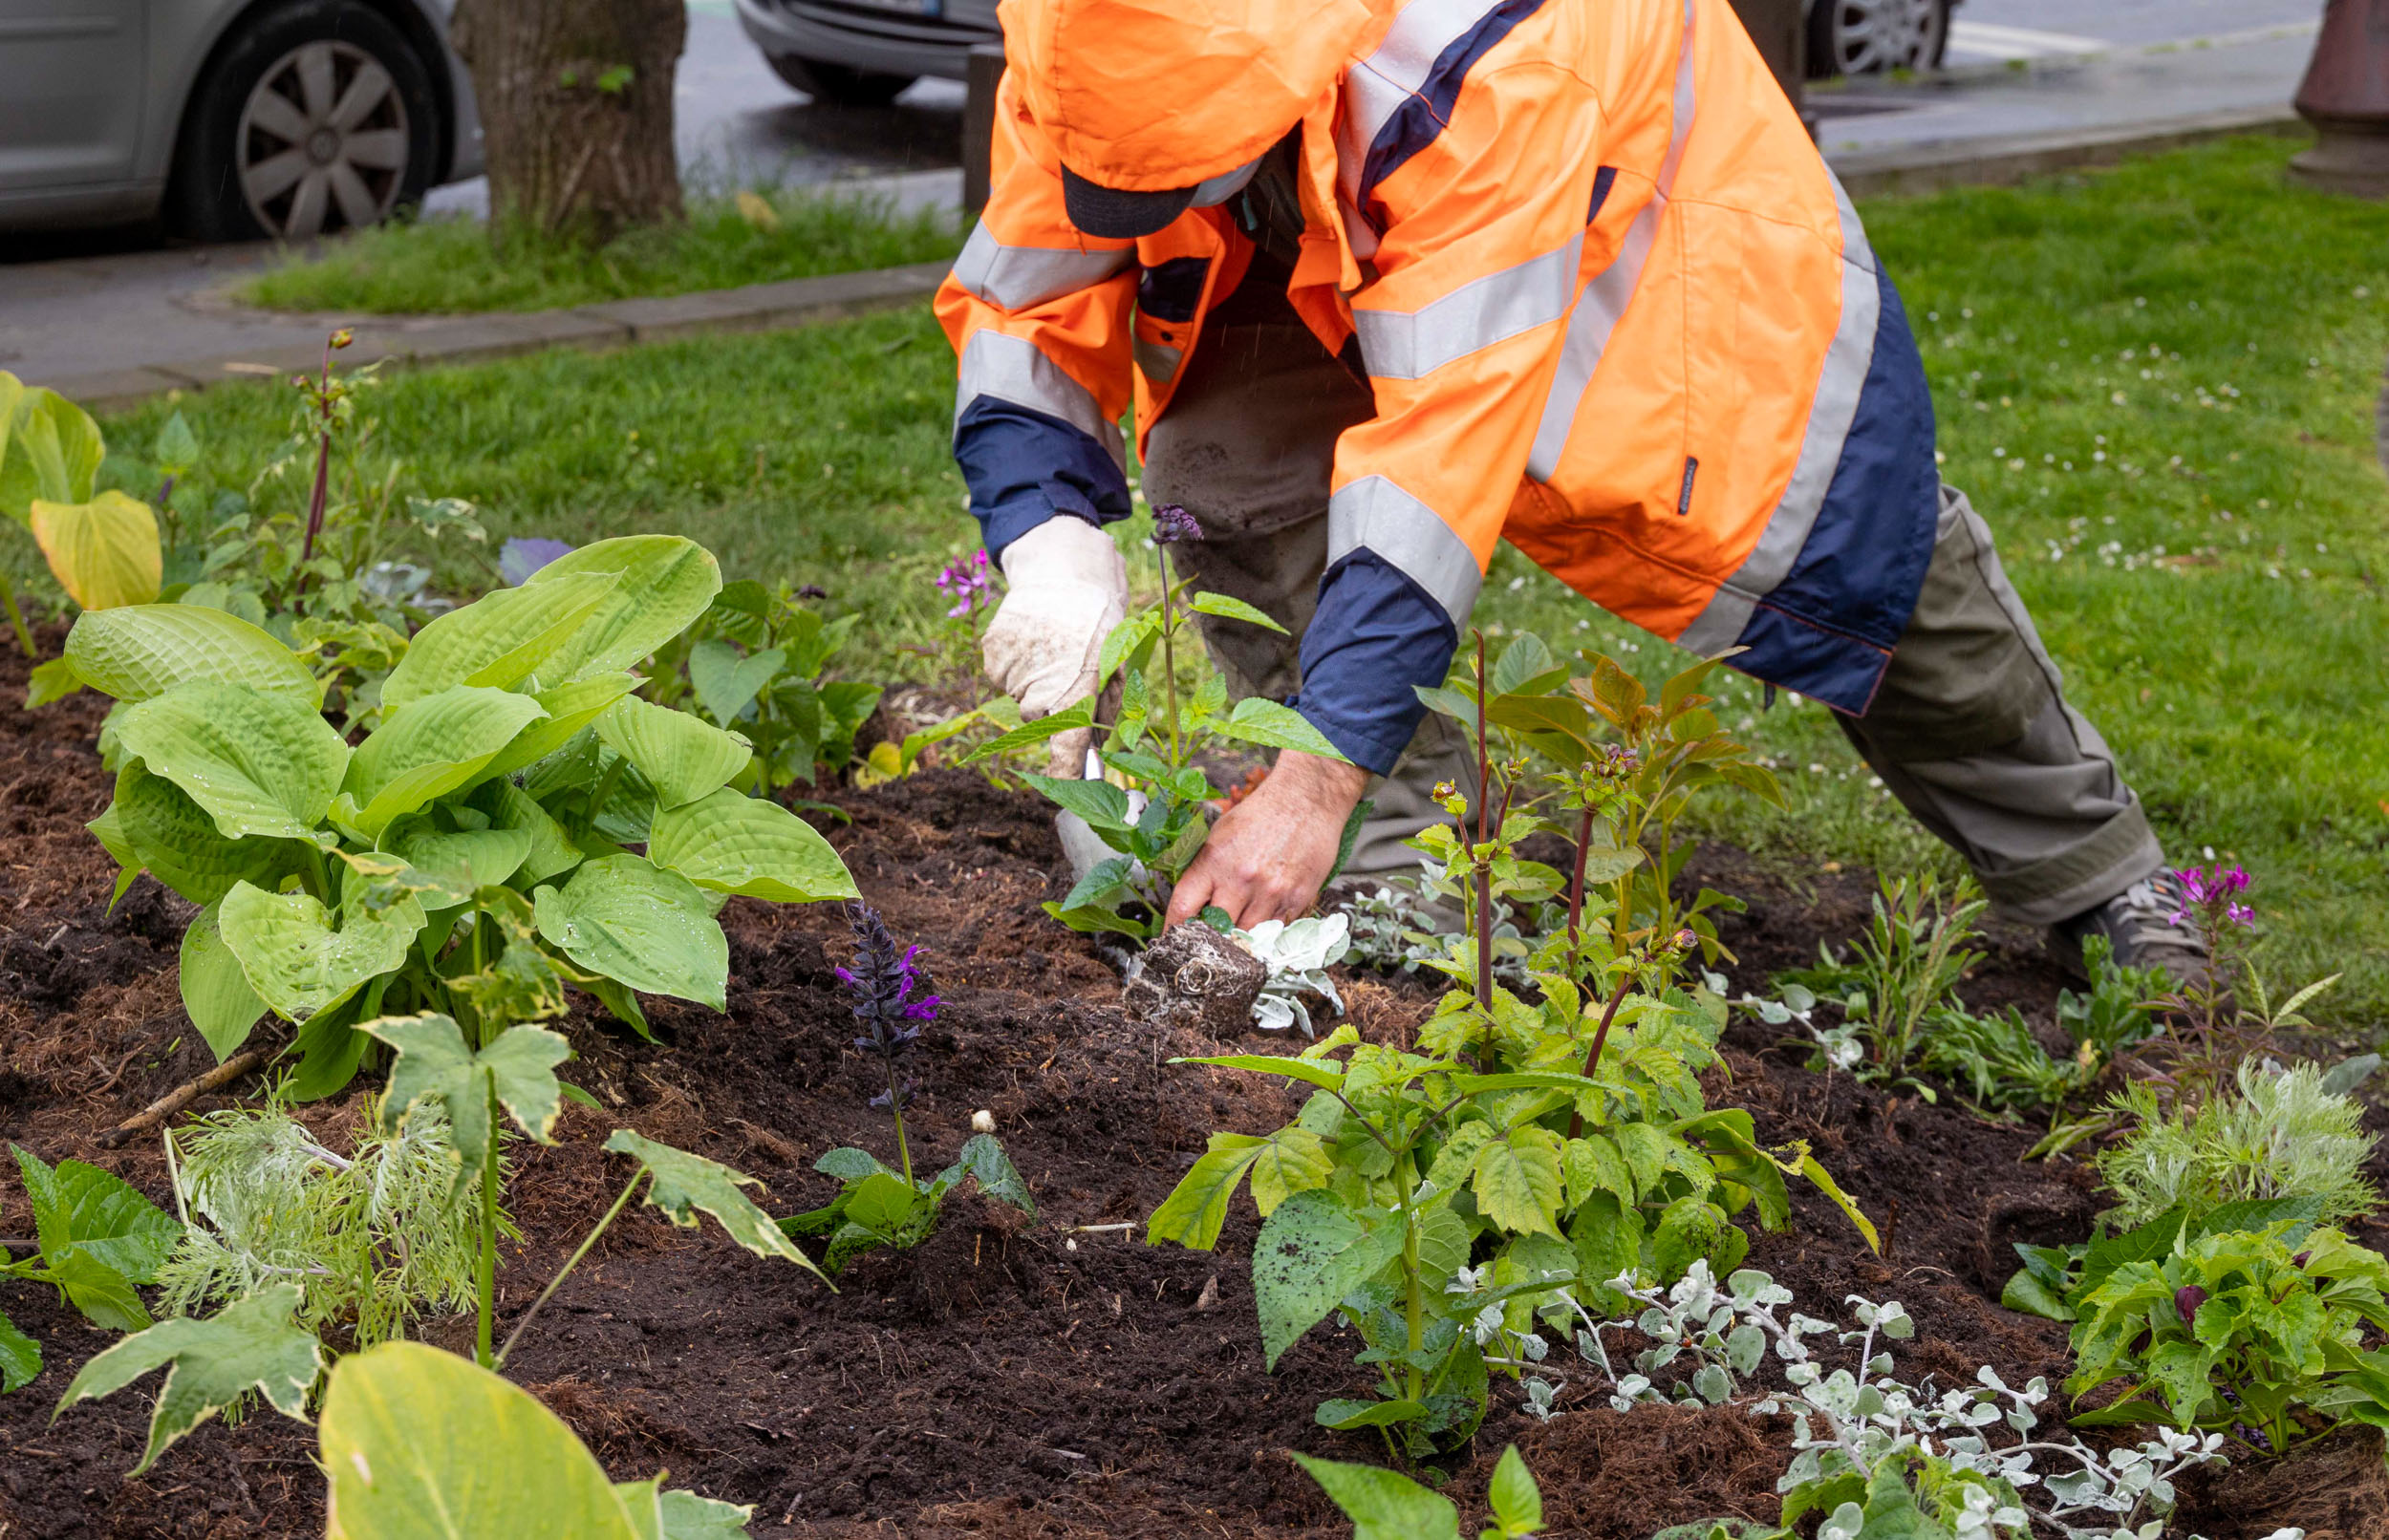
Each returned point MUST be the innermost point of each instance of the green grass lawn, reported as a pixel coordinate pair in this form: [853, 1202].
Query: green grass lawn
[2212, 586]
[449, 263]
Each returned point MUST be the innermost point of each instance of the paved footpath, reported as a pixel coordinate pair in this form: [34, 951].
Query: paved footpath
[111, 330]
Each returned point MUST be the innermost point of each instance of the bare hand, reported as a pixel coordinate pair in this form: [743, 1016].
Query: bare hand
[1273, 851]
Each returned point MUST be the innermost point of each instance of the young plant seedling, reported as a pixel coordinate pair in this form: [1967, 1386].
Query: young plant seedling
[96, 1239]
[880, 1206]
[1385, 1505]
[1159, 832]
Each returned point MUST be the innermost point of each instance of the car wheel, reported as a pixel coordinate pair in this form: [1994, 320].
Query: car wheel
[1874, 36]
[317, 116]
[839, 85]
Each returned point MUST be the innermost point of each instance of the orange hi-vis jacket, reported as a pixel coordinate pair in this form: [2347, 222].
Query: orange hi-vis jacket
[1611, 303]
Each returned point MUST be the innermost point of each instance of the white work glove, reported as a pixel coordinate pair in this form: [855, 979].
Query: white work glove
[1067, 589]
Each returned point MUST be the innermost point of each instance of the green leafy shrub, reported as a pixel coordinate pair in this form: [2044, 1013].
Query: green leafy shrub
[370, 1238]
[96, 1237]
[469, 855]
[2276, 1133]
[2253, 1335]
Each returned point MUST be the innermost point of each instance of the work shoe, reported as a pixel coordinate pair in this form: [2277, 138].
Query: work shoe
[2139, 926]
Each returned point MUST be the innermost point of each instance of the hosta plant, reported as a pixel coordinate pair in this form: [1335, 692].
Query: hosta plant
[96, 1238]
[473, 854]
[878, 1205]
[1157, 817]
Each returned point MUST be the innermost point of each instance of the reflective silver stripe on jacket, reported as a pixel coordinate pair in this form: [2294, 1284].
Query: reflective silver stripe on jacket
[1374, 513]
[1015, 277]
[1608, 291]
[1158, 360]
[1413, 343]
[1011, 369]
[1852, 353]
[1375, 88]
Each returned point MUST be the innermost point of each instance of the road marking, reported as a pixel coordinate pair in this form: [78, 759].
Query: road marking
[1993, 41]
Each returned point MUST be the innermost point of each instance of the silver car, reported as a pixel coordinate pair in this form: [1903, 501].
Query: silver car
[861, 52]
[229, 120]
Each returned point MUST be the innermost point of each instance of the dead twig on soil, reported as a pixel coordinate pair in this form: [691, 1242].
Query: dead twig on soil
[183, 1095]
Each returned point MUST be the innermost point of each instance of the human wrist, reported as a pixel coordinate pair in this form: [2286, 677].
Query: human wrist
[1327, 785]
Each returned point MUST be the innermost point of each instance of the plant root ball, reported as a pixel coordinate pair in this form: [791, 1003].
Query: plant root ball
[1196, 977]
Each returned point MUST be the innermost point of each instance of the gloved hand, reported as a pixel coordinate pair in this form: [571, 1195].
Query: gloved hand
[1067, 589]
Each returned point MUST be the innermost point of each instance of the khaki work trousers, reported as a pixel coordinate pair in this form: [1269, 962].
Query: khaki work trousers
[1970, 729]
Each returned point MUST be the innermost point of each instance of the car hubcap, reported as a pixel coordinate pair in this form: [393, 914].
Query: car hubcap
[322, 142]
[1870, 36]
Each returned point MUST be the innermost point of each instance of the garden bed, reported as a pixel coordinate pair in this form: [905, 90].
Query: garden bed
[1003, 1378]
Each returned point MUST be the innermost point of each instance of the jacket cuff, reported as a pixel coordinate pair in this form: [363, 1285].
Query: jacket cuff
[1024, 467]
[1376, 637]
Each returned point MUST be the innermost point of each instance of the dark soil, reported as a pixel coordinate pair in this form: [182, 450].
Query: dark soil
[1004, 1379]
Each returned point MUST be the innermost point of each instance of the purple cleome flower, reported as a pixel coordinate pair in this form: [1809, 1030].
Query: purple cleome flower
[968, 583]
[1174, 525]
[2211, 889]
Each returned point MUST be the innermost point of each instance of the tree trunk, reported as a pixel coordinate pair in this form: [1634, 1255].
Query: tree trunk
[576, 110]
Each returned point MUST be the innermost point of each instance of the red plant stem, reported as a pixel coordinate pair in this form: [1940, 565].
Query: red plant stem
[1575, 878]
[1484, 871]
[323, 462]
[1601, 1035]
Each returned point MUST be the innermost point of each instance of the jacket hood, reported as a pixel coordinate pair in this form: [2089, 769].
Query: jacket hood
[1148, 95]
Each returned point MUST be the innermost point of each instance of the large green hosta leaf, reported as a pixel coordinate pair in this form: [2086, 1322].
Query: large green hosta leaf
[260, 763]
[427, 749]
[421, 1444]
[684, 758]
[498, 640]
[667, 582]
[163, 830]
[569, 708]
[735, 844]
[141, 651]
[475, 857]
[215, 991]
[641, 926]
[51, 451]
[510, 807]
[294, 957]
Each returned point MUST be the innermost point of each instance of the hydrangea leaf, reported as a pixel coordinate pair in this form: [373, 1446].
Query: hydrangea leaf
[139, 651]
[20, 1358]
[496, 641]
[641, 926]
[294, 957]
[1312, 1250]
[682, 1184]
[666, 582]
[683, 758]
[420, 1443]
[80, 1210]
[262, 764]
[216, 993]
[250, 1345]
[731, 842]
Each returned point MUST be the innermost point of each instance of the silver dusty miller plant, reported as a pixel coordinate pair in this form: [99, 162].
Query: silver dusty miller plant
[1708, 1340]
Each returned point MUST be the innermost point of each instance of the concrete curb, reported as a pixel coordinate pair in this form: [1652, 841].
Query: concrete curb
[421, 340]
[1999, 162]
[801, 302]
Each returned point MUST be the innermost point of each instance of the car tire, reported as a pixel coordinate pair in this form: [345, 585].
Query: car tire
[839, 85]
[315, 117]
[1874, 36]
